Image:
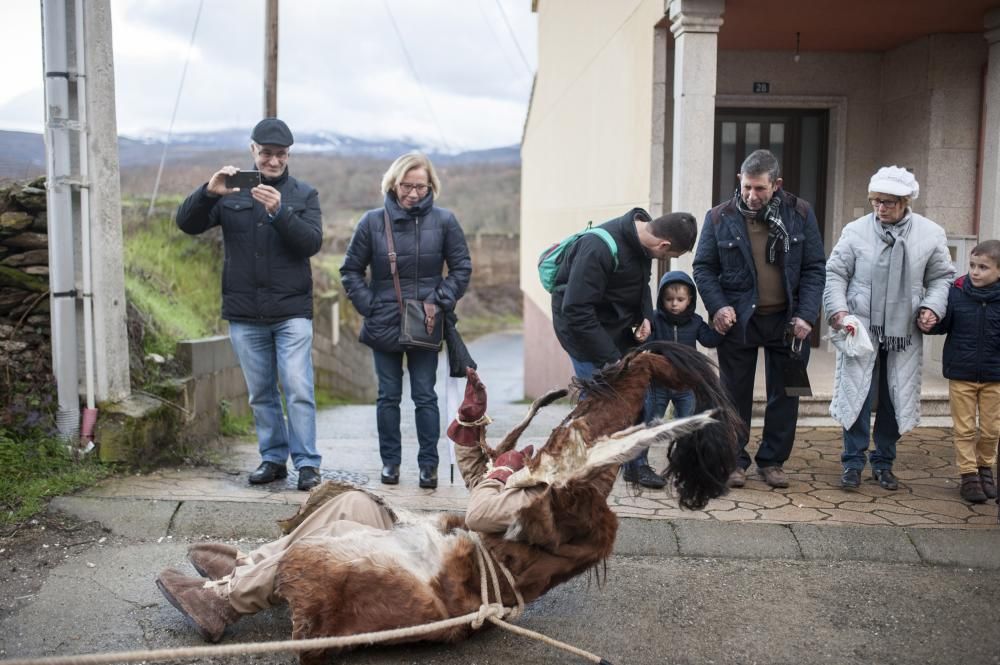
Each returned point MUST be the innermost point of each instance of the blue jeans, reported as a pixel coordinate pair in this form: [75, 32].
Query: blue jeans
[657, 399]
[422, 367]
[585, 370]
[886, 428]
[269, 353]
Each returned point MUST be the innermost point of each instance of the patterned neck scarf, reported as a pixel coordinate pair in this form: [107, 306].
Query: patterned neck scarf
[777, 233]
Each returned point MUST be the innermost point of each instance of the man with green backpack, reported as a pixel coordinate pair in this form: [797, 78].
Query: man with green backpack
[601, 302]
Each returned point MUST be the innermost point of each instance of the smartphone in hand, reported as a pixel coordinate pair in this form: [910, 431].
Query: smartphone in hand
[243, 180]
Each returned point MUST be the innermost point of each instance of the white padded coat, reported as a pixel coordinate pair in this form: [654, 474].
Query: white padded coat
[849, 288]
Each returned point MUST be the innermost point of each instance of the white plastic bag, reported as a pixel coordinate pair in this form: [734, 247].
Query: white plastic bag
[853, 338]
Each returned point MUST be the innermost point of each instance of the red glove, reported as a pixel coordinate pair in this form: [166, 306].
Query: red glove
[508, 463]
[473, 408]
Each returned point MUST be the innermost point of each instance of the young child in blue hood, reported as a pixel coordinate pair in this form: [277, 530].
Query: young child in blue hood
[674, 320]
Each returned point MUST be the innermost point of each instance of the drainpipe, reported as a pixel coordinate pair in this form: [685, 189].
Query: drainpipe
[60, 219]
[89, 413]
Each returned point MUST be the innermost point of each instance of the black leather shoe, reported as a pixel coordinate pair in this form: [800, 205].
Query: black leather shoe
[308, 478]
[646, 477]
[268, 472]
[428, 477]
[851, 479]
[886, 479]
[390, 474]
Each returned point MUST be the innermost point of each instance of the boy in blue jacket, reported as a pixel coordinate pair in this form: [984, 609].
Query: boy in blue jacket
[972, 366]
[674, 320]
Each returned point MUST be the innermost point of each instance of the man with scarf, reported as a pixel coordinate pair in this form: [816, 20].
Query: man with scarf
[269, 232]
[759, 268]
[891, 269]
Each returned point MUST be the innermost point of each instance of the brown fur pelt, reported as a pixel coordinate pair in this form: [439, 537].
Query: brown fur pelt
[426, 570]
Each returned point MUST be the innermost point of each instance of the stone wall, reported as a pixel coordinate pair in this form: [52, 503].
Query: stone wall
[343, 365]
[494, 259]
[27, 388]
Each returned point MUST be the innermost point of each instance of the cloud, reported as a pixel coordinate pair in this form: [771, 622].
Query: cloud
[342, 67]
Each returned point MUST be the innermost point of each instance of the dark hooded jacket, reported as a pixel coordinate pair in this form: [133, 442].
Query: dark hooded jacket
[972, 321]
[687, 328]
[427, 238]
[594, 305]
[265, 275]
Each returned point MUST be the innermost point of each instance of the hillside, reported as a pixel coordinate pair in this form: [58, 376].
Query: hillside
[482, 187]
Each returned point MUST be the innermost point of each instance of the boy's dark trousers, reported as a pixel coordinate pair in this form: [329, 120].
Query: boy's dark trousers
[737, 366]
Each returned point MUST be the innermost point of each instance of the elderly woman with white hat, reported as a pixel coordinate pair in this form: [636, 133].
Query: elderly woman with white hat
[891, 269]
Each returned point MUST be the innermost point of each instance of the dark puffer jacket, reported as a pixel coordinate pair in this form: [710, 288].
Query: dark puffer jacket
[690, 332]
[724, 268]
[972, 321]
[594, 305]
[266, 275]
[426, 238]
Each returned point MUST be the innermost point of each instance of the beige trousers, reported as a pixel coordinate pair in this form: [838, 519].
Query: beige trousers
[251, 586]
[975, 446]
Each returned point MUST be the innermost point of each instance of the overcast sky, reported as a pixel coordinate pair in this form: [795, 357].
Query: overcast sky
[341, 67]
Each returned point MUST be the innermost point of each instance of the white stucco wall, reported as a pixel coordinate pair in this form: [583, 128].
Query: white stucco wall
[586, 149]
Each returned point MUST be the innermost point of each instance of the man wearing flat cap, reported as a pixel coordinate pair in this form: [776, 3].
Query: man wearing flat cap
[269, 232]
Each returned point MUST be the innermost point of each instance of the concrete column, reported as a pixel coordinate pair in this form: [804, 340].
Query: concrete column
[110, 335]
[989, 209]
[695, 26]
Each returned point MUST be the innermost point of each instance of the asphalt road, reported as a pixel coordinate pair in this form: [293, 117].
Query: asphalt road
[650, 609]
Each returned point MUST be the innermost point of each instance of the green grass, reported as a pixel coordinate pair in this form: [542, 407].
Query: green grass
[232, 425]
[173, 279]
[36, 469]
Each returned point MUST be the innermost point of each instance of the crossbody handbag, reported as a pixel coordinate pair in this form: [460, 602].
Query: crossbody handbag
[412, 331]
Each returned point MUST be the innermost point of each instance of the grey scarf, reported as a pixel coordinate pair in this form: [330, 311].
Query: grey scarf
[892, 310]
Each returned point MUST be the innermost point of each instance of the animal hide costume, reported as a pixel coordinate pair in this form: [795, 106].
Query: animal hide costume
[545, 523]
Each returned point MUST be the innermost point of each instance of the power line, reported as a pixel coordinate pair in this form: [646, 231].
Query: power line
[173, 116]
[496, 38]
[413, 71]
[506, 21]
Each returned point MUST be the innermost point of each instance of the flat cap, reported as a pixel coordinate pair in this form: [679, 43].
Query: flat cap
[271, 131]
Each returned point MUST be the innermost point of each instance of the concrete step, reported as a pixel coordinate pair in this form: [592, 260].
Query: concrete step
[933, 404]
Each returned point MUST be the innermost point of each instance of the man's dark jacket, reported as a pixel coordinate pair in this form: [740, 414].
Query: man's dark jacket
[426, 238]
[724, 269]
[595, 306]
[972, 321]
[266, 276]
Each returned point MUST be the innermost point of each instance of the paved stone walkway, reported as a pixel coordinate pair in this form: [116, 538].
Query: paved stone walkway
[928, 494]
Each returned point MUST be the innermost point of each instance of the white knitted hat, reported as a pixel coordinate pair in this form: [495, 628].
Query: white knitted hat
[894, 180]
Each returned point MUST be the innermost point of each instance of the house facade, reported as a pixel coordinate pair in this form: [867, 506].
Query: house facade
[655, 103]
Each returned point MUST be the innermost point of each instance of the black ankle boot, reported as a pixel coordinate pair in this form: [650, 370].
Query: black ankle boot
[390, 474]
[428, 477]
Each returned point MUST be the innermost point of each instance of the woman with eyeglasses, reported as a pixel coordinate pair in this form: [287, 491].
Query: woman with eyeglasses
[425, 239]
[891, 269]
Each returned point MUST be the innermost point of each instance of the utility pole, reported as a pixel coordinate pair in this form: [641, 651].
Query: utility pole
[87, 278]
[271, 60]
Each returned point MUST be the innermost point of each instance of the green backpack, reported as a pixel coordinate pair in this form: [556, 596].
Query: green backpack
[550, 260]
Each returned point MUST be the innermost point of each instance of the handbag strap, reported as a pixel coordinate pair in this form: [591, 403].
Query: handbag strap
[392, 259]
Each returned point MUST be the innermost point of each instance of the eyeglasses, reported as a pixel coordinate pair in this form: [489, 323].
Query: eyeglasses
[266, 154]
[888, 203]
[406, 188]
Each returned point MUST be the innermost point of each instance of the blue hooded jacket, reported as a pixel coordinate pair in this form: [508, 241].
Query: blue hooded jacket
[688, 328]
